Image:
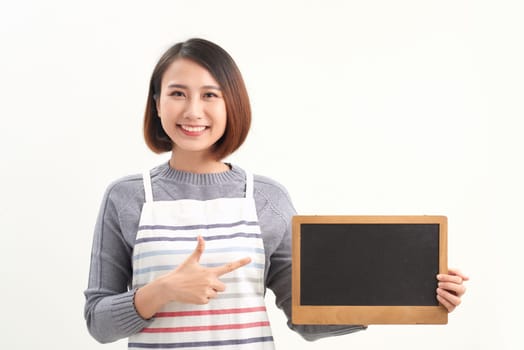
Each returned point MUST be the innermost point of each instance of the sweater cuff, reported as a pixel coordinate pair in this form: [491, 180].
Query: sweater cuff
[125, 315]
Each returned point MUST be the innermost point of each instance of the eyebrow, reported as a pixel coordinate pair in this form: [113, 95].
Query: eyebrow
[181, 86]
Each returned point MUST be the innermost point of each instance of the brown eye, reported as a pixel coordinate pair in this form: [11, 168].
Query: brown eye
[177, 93]
[210, 95]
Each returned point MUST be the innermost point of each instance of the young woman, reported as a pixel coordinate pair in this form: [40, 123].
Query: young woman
[183, 253]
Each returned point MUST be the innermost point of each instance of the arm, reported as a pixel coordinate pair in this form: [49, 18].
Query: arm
[112, 311]
[109, 309]
[275, 221]
[189, 283]
[279, 281]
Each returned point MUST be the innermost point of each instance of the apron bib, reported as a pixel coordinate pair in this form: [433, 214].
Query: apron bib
[167, 235]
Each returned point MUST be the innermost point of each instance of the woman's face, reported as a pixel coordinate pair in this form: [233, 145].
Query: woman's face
[191, 107]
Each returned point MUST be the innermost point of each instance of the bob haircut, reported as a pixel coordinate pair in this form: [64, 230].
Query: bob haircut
[225, 71]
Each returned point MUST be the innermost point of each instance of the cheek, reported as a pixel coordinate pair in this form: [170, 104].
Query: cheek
[216, 113]
[166, 109]
[166, 126]
[221, 113]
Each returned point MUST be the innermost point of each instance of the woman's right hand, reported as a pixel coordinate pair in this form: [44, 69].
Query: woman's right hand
[192, 283]
[189, 283]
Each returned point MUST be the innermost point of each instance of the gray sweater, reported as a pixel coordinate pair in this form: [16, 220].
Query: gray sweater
[109, 308]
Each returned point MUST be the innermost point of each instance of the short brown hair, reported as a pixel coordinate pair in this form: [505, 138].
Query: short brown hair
[225, 71]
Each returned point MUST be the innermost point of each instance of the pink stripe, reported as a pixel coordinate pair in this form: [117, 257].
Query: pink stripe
[205, 328]
[211, 312]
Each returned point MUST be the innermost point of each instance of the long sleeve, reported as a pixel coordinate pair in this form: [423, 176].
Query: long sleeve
[275, 221]
[109, 310]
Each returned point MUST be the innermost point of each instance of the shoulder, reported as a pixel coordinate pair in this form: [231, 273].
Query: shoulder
[263, 185]
[125, 186]
[272, 197]
[269, 187]
[125, 192]
[130, 187]
[275, 211]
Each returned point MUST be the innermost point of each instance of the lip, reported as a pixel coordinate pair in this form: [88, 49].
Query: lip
[192, 130]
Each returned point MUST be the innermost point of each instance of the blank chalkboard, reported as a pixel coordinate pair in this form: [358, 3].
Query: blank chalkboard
[368, 269]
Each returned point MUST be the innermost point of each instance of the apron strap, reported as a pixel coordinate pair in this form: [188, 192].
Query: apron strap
[249, 185]
[147, 186]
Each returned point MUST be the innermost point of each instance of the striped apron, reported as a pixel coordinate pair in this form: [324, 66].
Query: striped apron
[167, 235]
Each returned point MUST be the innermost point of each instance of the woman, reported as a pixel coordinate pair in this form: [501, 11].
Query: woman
[182, 255]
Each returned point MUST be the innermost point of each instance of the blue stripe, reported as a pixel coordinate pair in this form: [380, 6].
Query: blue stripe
[190, 251]
[200, 344]
[222, 296]
[225, 280]
[172, 267]
[196, 227]
[193, 239]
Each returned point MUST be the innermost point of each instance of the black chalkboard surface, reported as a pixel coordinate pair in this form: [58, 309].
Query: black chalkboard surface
[368, 269]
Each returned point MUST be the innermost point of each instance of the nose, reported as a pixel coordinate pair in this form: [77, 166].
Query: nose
[194, 109]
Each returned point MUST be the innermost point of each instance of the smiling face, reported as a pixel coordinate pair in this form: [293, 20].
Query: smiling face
[191, 108]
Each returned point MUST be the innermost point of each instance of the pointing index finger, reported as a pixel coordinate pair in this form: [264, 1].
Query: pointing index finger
[232, 266]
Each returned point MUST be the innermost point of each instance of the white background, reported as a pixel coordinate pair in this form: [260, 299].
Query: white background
[362, 107]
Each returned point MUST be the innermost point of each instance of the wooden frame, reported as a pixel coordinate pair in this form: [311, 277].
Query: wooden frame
[366, 314]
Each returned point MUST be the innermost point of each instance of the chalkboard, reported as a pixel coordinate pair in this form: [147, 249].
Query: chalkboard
[368, 269]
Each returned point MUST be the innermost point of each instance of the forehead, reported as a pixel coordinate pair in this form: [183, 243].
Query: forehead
[187, 72]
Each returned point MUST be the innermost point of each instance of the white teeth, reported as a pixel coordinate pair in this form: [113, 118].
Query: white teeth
[193, 128]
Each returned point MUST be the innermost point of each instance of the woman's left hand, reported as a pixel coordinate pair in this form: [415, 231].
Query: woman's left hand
[451, 288]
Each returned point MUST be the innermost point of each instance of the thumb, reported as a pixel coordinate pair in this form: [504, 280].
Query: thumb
[199, 250]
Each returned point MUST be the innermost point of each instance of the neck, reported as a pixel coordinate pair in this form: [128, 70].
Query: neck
[194, 162]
